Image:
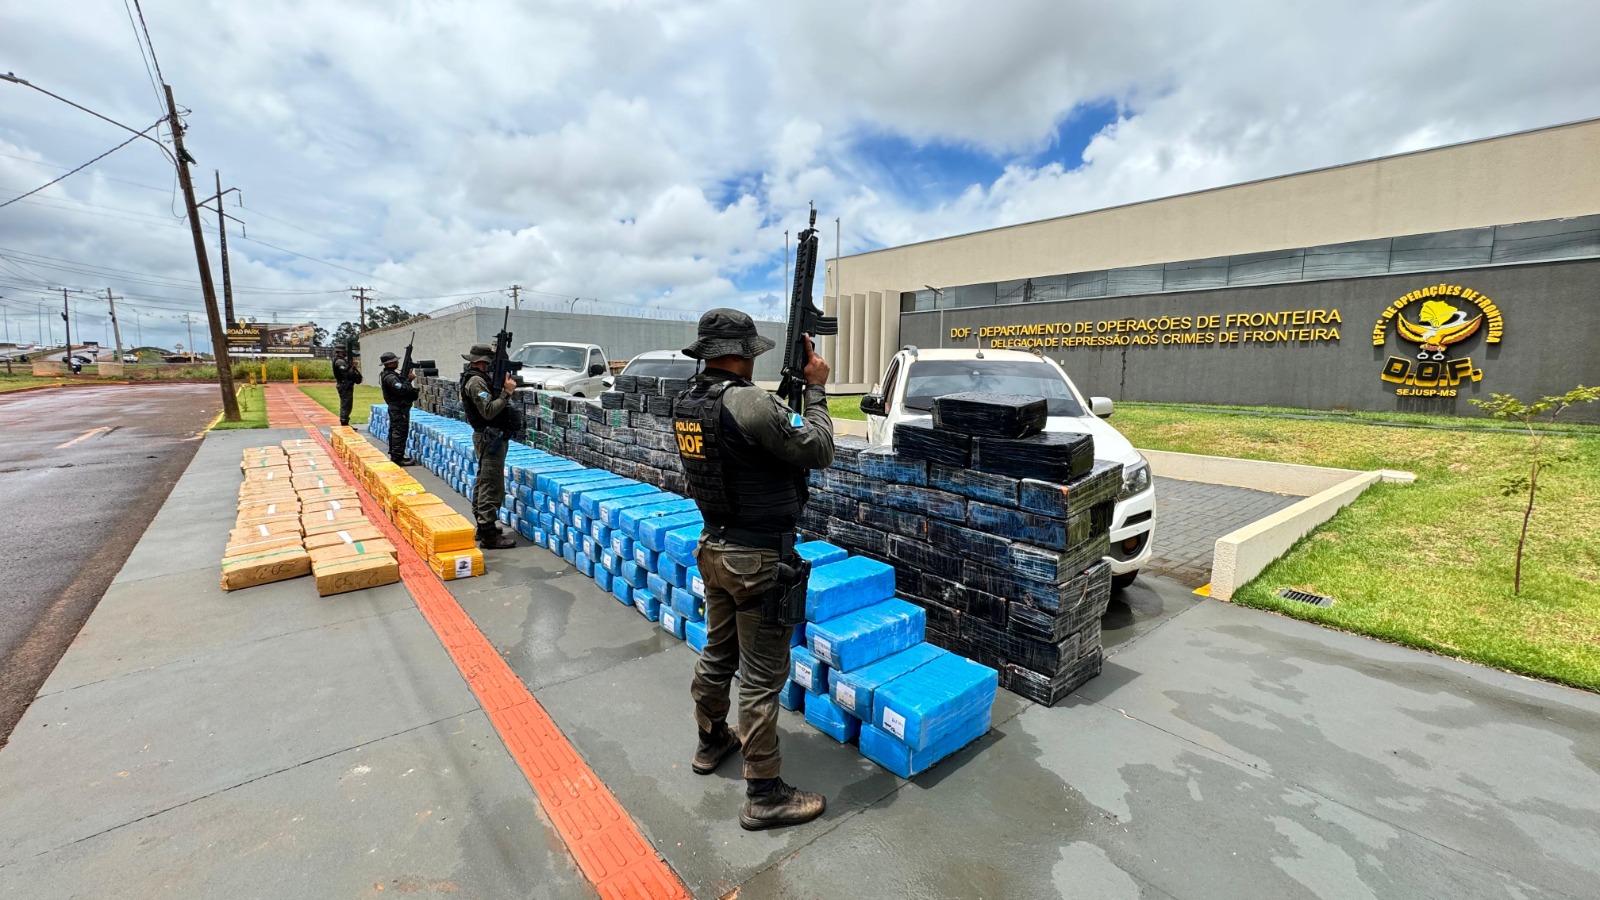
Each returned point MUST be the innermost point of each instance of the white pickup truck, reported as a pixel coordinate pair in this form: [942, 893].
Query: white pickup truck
[915, 377]
[582, 370]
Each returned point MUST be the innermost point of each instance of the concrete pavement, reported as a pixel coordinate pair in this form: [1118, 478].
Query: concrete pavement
[270, 744]
[82, 471]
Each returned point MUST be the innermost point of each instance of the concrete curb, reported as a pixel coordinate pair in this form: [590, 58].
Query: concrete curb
[1259, 475]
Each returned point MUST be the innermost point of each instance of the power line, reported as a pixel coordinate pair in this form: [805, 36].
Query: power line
[78, 169]
[40, 162]
[146, 28]
[154, 85]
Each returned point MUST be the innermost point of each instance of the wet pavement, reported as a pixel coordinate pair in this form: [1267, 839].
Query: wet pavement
[82, 471]
[1193, 515]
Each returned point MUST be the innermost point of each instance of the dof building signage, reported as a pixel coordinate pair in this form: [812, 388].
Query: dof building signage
[1288, 326]
[1431, 319]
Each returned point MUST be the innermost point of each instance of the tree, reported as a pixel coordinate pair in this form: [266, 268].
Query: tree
[346, 335]
[384, 316]
[319, 336]
[1505, 406]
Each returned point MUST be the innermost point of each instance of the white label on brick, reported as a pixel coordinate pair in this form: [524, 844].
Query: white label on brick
[272, 509]
[344, 536]
[845, 694]
[334, 504]
[463, 567]
[697, 587]
[667, 622]
[823, 649]
[264, 531]
[331, 515]
[894, 723]
[802, 675]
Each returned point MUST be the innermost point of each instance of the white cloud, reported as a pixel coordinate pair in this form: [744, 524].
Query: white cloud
[654, 152]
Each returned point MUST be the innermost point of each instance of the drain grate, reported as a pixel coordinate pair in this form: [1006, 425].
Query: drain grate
[1305, 597]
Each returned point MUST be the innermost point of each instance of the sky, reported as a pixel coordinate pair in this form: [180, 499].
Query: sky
[651, 155]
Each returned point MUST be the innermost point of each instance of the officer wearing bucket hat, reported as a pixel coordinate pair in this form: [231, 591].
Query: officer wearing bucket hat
[745, 458]
[493, 420]
[399, 393]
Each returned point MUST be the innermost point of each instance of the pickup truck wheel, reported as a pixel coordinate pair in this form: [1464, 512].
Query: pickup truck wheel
[1118, 582]
[579, 395]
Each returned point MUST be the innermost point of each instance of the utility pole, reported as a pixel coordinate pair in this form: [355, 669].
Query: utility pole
[189, 321]
[66, 316]
[219, 338]
[116, 328]
[361, 299]
[515, 290]
[222, 232]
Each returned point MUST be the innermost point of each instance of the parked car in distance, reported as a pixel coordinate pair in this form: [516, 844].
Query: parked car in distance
[130, 357]
[915, 377]
[662, 364]
[581, 370]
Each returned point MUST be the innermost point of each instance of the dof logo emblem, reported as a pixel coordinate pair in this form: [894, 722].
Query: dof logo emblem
[1439, 324]
[691, 442]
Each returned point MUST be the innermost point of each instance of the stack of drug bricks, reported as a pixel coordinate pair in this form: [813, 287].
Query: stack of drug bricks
[996, 530]
[861, 670]
[298, 516]
[997, 533]
[444, 537]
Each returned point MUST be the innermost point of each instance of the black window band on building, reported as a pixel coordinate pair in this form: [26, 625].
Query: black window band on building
[1544, 241]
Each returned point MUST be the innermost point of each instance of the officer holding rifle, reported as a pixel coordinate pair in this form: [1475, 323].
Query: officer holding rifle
[493, 420]
[746, 457]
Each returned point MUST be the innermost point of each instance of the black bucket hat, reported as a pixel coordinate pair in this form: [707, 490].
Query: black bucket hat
[479, 353]
[728, 332]
[388, 357]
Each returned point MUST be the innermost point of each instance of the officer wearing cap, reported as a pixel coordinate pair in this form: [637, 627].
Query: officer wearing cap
[745, 458]
[399, 394]
[345, 378]
[494, 420]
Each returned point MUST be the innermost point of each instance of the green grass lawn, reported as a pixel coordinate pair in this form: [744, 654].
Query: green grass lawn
[846, 406]
[1428, 565]
[252, 410]
[328, 397]
[23, 378]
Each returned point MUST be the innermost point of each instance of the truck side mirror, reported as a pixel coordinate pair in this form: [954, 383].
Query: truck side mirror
[596, 370]
[1102, 407]
[872, 405]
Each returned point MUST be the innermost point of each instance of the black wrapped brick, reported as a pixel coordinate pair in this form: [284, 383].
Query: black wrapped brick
[893, 521]
[836, 505]
[627, 384]
[970, 544]
[918, 439]
[1049, 690]
[859, 538]
[846, 450]
[990, 415]
[1057, 566]
[611, 400]
[1103, 482]
[1046, 657]
[659, 406]
[633, 402]
[926, 557]
[1053, 456]
[672, 387]
[997, 489]
[968, 601]
[646, 384]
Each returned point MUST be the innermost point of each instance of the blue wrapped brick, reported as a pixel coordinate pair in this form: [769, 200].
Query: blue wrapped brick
[694, 634]
[648, 606]
[680, 544]
[602, 578]
[571, 494]
[807, 671]
[675, 574]
[621, 590]
[824, 715]
[589, 547]
[865, 636]
[658, 587]
[585, 565]
[611, 510]
[686, 604]
[646, 557]
[653, 532]
[842, 587]
[569, 552]
[883, 749]
[798, 637]
[671, 621]
[629, 519]
[820, 553]
[621, 545]
[1018, 525]
[853, 691]
[608, 560]
[589, 502]
[697, 585]
[935, 700]
[633, 574]
[551, 483]
[599, 531]
[792, 696]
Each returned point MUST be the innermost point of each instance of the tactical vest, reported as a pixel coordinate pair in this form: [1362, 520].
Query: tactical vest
[393, 386]
[735, 483]
[507, 419]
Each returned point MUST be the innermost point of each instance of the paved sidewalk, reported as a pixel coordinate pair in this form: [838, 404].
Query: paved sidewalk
[288, 406]
[1193, 515]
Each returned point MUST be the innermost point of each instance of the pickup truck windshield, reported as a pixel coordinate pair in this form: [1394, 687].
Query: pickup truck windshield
[937, 377]
[546, 356]
[662, 368]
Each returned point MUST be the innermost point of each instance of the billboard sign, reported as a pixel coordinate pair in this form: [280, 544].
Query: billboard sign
[270, 339]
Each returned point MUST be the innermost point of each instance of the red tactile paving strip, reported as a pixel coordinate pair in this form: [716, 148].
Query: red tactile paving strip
[599, 834]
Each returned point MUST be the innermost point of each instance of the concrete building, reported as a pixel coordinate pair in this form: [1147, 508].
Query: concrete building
[444, 337]
[1304, 290]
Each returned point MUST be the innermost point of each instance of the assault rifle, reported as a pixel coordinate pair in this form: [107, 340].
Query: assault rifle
[502, 365]
[350, 359]
[425, 367]
[804, 319]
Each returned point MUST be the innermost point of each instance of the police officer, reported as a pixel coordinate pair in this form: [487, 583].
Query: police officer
[399, 394]
[345, 378]
[494, 420]
[745, 458]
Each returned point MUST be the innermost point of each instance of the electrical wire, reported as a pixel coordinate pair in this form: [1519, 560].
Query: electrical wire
[160, 100]
[146, 28]
[78, 169]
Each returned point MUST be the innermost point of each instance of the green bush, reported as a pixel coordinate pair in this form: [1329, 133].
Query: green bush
[283, 369]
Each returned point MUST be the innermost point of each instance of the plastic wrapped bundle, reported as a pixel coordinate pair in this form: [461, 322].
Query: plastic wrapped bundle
[865, 636]
[846, 586]
[671, 621]
[807, 671]
[893, 521]
[572, 495]
[611, 400]
[694, 634]
[634, 402]
[924, 557]
[990, 415]
[884, 464]
[998, 489]
[858, 538]
[1053, 456]
[1050, 689]
[825, 716]
[652, 533]
[631, 518]
[680, 543]
[918, 439]
[672, 387]
[846, 450]
[853, 691]
[887, 751]
[820, 553]
[648, 606]
[625, 384]
[1103, 482]
[938, 699]
[659, 406]
[996, 645]
[1058, 566]
[792, 696]
[607, 510]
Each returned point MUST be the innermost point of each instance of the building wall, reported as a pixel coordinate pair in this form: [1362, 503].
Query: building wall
[445, 338]
[1550, 313]
[1546, 174]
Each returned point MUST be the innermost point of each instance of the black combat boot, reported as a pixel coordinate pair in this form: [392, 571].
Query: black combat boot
[490, 537]
[715, 746]
[770, 803]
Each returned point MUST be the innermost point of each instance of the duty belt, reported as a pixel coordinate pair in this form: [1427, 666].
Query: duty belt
[761, 540]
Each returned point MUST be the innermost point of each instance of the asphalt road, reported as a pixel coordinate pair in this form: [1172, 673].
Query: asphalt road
[82, 472]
